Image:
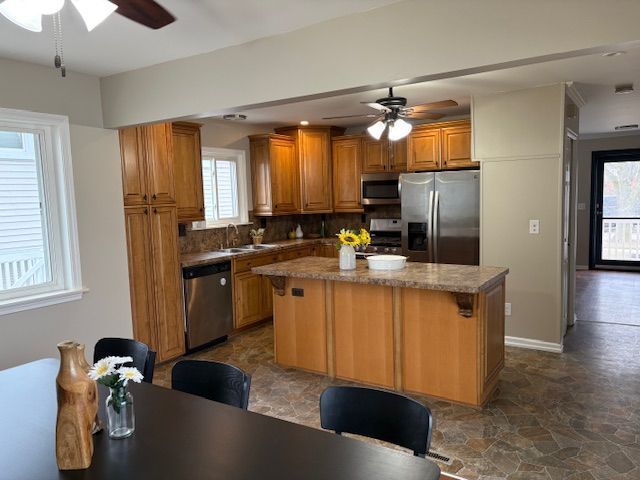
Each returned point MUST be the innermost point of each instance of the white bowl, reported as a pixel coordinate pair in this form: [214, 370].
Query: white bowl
[386, 262]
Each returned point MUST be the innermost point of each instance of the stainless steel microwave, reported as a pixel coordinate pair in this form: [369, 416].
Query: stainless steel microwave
[380, 188]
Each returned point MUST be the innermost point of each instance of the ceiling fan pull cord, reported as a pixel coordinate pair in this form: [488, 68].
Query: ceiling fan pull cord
[57, 37]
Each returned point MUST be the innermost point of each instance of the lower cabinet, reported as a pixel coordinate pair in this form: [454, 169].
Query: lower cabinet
[249, 299]
[253, 294]
[154, 278]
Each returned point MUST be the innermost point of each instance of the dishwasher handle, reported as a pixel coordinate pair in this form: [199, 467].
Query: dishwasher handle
[189, 273]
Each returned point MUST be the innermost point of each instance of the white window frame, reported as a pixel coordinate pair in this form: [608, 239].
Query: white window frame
[241, 173]
[61, 226]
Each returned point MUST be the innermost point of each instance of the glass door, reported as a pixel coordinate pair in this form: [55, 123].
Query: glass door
[616, 212]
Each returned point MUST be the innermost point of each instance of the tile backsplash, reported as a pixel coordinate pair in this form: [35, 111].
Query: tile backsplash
[194, 241]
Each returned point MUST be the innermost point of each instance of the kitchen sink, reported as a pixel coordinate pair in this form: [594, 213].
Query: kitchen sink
[256, 247]
[232, 250]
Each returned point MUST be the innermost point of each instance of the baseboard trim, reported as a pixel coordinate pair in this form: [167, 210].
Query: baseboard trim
[533, 344]
[582, 267]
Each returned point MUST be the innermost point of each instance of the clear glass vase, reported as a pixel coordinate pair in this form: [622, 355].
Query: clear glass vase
[122, 419]
[347, 257]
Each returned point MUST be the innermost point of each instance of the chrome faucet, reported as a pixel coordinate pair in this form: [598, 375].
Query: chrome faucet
[237, 234]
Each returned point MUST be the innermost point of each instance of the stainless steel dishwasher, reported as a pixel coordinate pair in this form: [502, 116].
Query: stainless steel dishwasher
[208, 302]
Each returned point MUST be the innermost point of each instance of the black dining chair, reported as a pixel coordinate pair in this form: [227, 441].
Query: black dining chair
[372, 413]
[216, 381]
[144, 359]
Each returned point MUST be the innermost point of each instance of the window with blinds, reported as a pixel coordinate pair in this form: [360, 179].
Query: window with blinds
[223, 176]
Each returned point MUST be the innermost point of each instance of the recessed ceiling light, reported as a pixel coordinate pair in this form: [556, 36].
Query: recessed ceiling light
[613, 54]
[234, 117]
[631, 126]
[624, 88]
[304, 122]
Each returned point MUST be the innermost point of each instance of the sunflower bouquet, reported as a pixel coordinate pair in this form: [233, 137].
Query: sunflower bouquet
[353, 238]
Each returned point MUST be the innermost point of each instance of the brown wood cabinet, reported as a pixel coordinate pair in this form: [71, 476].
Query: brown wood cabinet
[456, 146]
[383, 155]
[253, 298]
[274, 175]
[347, 167]
[187, 159]
[313, 147]
[154, 278]
[439, 146]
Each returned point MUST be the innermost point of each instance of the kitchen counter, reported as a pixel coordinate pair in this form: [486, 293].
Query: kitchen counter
[428, 276]
[431, 329]
[217, 256]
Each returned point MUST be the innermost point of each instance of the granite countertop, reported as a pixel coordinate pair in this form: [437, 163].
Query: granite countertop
[428, 276]
[216, 256]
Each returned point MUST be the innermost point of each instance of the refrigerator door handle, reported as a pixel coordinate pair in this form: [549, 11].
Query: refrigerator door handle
[435, 232]
[430, 227]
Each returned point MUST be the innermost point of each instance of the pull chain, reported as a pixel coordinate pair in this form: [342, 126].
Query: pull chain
[58, 60]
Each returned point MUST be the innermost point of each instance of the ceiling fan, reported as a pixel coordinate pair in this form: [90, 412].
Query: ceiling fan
[392, 112]
[28, 14]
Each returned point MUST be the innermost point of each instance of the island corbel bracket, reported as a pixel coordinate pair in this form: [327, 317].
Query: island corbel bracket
[278, 284]
[465, 303]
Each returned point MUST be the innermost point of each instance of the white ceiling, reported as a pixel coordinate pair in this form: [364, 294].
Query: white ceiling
[595, 77]
[202, 26]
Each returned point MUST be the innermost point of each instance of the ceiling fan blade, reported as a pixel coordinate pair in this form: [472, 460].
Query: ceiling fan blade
[145, 12]
[423, 115]
[366, 115]
[434, 105]
[377, 106]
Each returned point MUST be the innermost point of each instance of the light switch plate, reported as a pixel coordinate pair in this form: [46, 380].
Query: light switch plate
[582, 206]
[534, 227]
[507, 309]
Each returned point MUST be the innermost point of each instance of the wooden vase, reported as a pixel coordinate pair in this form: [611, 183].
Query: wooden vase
[77, 408]
[82, 360]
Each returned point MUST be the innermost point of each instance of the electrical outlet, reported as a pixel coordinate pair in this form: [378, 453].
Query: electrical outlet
[297, 292]
[534, 227]
[507, 309]
[582, 206]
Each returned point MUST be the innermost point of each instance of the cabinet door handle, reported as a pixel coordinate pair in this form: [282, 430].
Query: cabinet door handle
[144, 197]
[155, 210]
[154, 196]
[201, 210]
[146, 211]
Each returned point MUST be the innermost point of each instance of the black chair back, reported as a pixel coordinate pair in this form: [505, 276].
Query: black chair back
[212, 380]
[143, 358]
[385, 416]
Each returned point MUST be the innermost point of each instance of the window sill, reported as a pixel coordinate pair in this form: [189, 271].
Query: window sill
[42, 300]
[216, 227]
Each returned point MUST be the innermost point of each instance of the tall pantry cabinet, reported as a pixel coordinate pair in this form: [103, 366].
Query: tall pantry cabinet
[151, 220]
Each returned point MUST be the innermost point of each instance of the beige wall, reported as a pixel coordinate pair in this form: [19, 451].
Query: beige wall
[518, 139]
[585, 149]
[26, 86]
[105, 309]
[346, 53]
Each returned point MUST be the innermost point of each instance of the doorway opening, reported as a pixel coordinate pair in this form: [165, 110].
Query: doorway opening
[615, 210]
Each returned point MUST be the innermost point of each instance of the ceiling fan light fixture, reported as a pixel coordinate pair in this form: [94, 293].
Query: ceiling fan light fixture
[22, 14]
[47, 7]
[376, 129]
[399, 129]
[94, 12]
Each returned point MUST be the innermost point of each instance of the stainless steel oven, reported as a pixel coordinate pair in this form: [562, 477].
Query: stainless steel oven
[380, 188]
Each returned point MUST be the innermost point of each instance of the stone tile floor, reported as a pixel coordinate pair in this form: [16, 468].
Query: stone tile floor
[574, 415]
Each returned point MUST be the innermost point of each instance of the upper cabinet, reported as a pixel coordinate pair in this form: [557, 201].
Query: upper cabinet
[162, 165]
[313, 149]
[347, 161]
[274, 175]
[438, 146]
[383, 156]
[187, 160]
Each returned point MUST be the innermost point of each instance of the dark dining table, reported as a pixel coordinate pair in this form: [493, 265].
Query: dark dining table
[181, 436]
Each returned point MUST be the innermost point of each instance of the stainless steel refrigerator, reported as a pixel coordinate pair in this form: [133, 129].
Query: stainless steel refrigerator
[441, 216]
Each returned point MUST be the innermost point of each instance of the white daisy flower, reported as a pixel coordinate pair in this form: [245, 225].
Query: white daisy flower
[129, 373]
[101, 369]
[119, 360]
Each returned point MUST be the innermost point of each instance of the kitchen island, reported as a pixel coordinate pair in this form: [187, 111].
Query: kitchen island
[432, 329]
